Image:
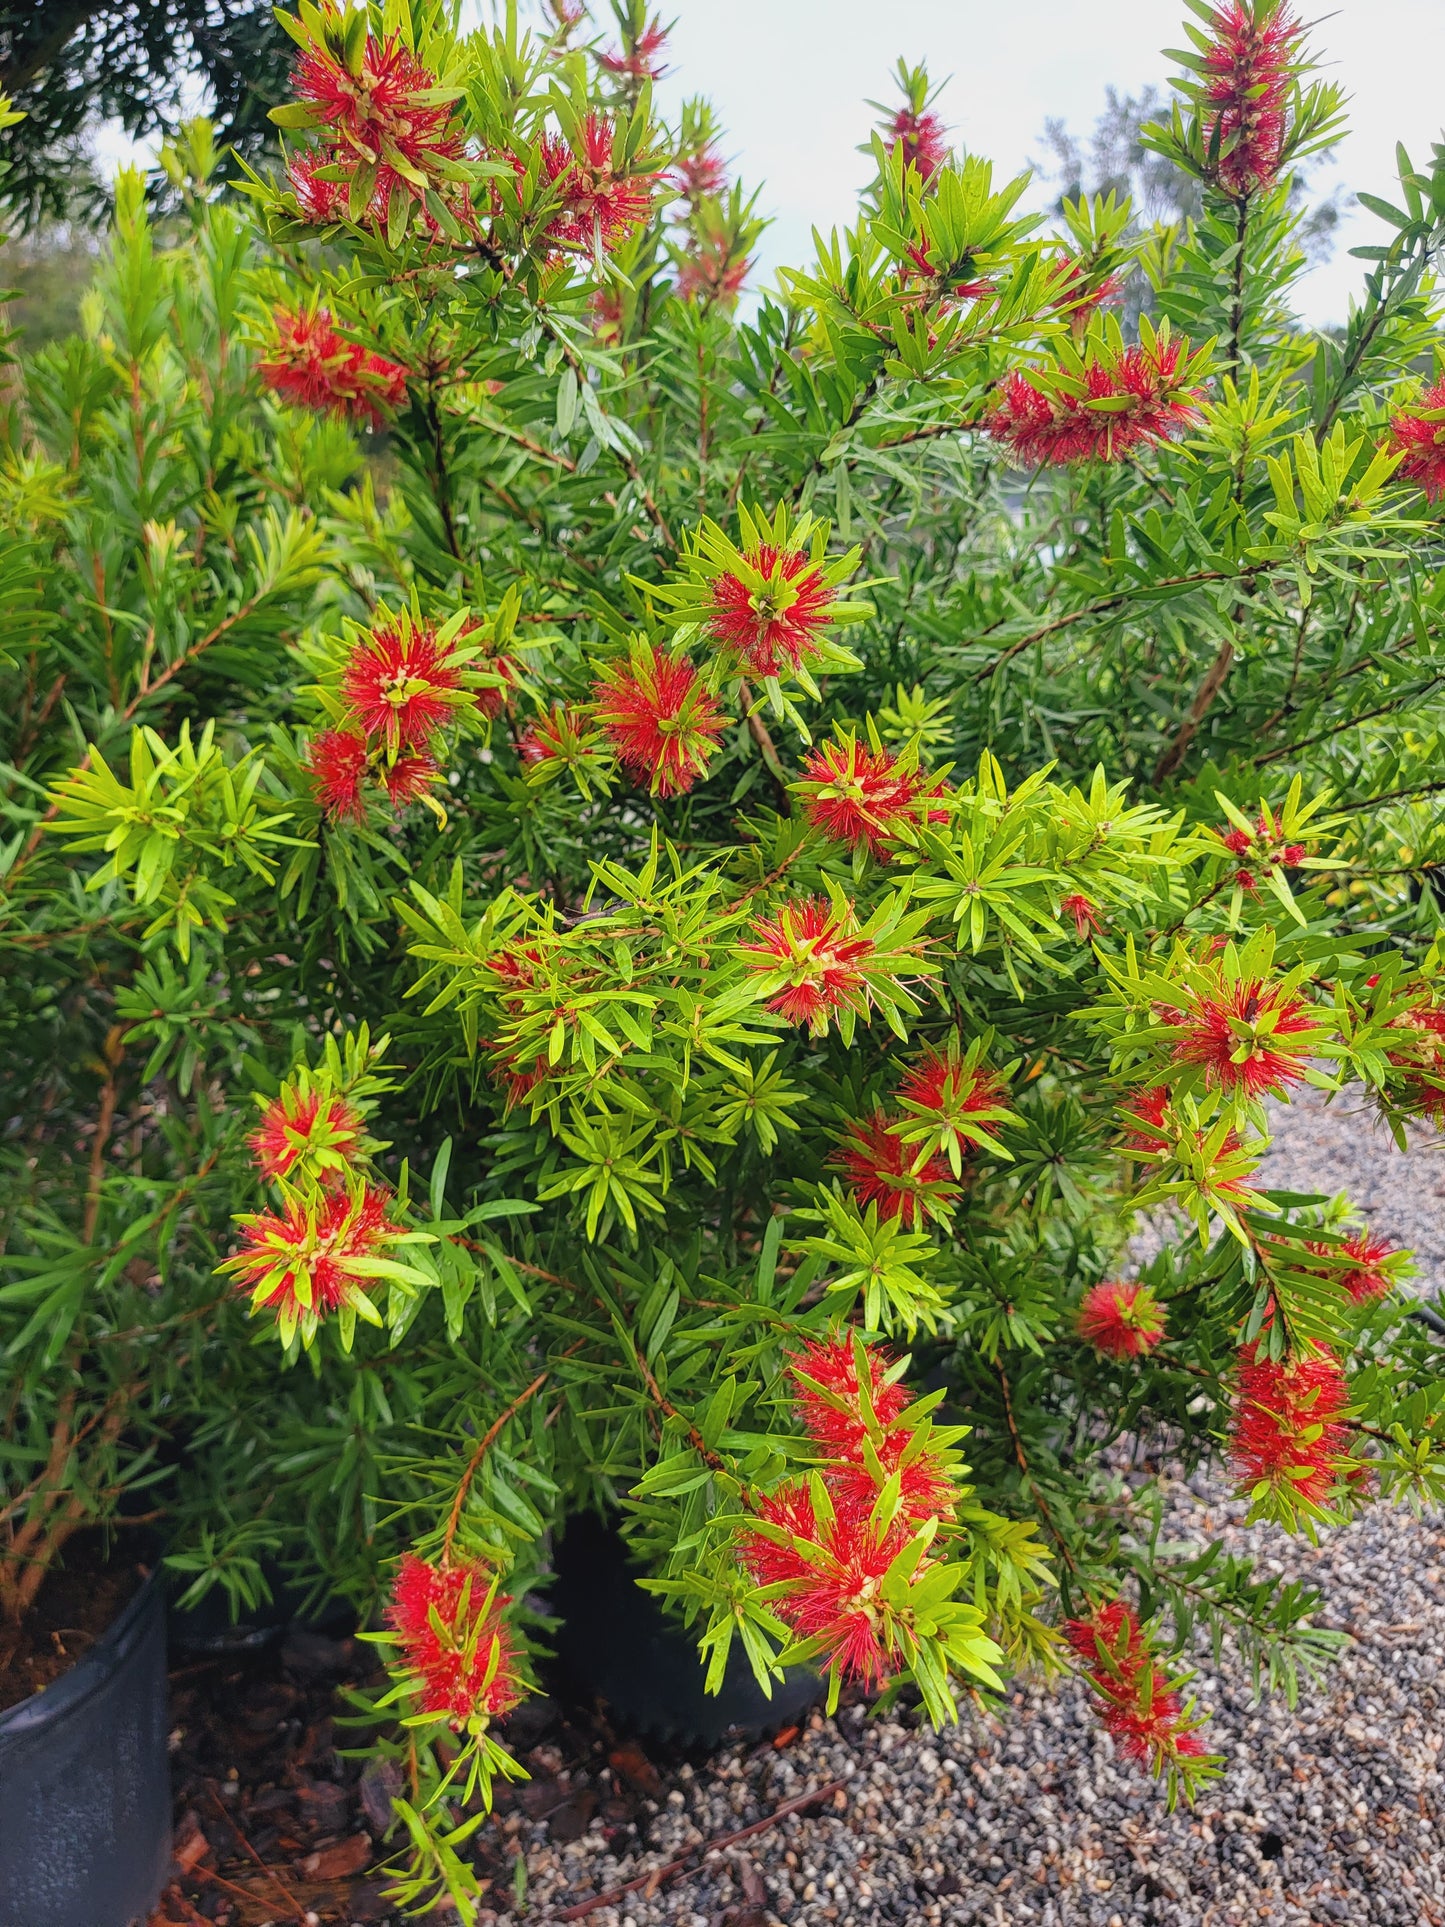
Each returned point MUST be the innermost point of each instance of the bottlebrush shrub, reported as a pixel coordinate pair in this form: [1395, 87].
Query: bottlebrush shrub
[771, 1072]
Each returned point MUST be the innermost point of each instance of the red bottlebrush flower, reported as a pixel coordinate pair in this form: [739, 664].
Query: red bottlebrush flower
[517, 1079]
[950, 281]
[600, 207]
[1137, 1705]
[305, 1126]
[1145, 1112]
[319, 200]
[830, 1393]
[401, 685]
[1245, 77]
[454, 1640]
[410, 777]
[1287, 1432]
[518, 970]
[856, 795]
[1054, 425]
[300, 1262]
[1074, 293]
[336, 763]
[833, 1406]
[1264, 845]
[1369, 1276]
[1085, 914]
[544, 740]
[959, 1098]
[833, 1590]
[1421, 1031]
[381, 117]
[1121, 1318]
[659, 718]
[1248, 1037]
[699, 176]
[818, 952]
[311, 366]
[1423, 442]
[710, 272]
[922, 137]
[879, 1167]
[777, 620]
[492, 700]
[640, 62]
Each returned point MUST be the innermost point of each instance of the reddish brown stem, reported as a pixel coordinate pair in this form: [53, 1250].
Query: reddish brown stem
[484, 1445]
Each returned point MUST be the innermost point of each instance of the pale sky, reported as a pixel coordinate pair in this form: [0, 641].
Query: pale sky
[789, 79]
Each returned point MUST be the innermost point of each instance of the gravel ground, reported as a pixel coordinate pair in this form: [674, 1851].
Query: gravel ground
[1329, 1813]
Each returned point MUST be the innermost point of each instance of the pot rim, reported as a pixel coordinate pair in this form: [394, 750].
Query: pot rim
[92, 1671]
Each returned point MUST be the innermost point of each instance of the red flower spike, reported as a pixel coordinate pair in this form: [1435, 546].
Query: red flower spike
[454, 1640]
[1286, 1431]
[320, 200]
[833, 1405]
[923, 139]
[305, 1125]
[600, 207]
[820, 952]
[830, 1394]
[517, 1080]
[1074, 294]
[856, 795]
[659, 718]
[879, 1168]
[943, 1089]
[834, 1591]
[1137, 1705]
[400, 685]
[311, 366]
[1053, 426]
[1264, 846]
[380, 118]
[699, 176]
[952, 282]
[778, 624]
[299, 1262]
[641, 62]
[1369, 1276]
[709, 272]
[336, 763]
[1121, 1318]
[1423, 442]
[1246, 81]
[1245, 1037]
[1145, 1112]
[1085, 914]
[1421, 1030]
[410, 777]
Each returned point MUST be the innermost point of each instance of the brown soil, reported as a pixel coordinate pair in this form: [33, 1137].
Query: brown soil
[72, 1609]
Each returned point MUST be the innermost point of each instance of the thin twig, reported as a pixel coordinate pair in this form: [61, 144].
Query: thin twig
[484, 1444]
[672, 1868]
[277, 1882]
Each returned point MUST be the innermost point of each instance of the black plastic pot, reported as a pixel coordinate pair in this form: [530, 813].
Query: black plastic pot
[616, 1644]
[85, 1796]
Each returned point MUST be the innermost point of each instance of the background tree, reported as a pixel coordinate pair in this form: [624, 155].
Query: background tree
[70, 64]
